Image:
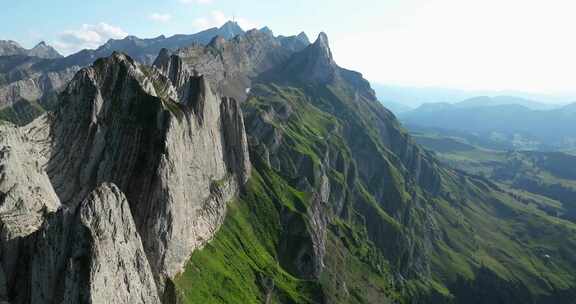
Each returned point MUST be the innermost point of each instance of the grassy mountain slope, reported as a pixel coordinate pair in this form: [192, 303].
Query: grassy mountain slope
[347, 208]
[549, 175]
[506, 124]
[395, 231]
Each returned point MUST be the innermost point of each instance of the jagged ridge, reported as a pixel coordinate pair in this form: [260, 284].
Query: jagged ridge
[405, 227]
[122, 123]
[343, 206]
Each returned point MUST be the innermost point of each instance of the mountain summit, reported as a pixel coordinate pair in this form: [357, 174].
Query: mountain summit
[314, 63]
[44, 50]
[230, 29]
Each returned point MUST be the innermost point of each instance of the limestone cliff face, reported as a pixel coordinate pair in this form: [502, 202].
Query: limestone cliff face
[34, 74]
[26, 196]
[146, 165]
[91, 255]
[229, 57]
[115, 249]
[22, 177]
[379, 158]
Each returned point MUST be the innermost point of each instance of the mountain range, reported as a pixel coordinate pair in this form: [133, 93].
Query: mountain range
[413, 97]
[504, 124]
[248, 169]
[481, 101]
[29, 83]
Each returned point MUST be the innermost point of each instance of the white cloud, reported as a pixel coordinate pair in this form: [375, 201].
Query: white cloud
[196, 1]
[160, 17]
[218, 18]
[89, 36]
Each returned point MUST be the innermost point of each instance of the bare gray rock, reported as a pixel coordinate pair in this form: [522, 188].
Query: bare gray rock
[231, 65]
[43, 50]
[26, 196]
[236, 155]
[35, 85]
[122, 123]
[25, 189]
[38, 72]
[89, 255]
[119, 270]
[177, 153]
[36, 75]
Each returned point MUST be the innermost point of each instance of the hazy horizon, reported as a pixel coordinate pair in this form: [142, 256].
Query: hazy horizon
[453, 95]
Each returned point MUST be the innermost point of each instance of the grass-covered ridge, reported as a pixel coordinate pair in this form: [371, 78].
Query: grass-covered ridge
[241, 264]
[400, 227]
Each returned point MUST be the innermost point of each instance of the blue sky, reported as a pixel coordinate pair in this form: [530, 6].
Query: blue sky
[525, 45]
[30, 21]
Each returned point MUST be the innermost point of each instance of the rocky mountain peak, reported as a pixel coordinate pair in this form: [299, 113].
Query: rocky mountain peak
[267, 30]
[43, 50]
[117, 67]
[119, 57]
[314, 63]
[231, 29]
[322, 48]
[303, 37]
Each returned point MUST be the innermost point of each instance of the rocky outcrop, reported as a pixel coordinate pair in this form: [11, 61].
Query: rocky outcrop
[117, 258]
[378, 165]
[138, 171]
[232, 65]
[34, 74]
[35, 86]
[312, 64]
[26, 190]
[318, 224]
[295, 43]
[43, 50]
[26, 197]
[90, 255]
[235, 137]
[135, 134]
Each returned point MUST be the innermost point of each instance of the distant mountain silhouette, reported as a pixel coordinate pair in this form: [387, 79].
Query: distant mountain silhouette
[517, 125]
